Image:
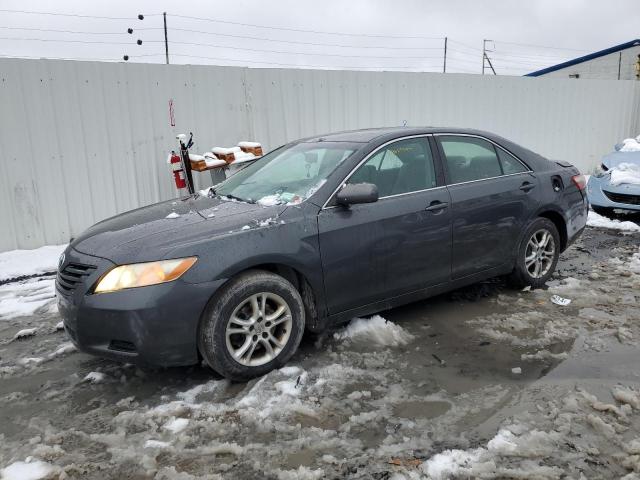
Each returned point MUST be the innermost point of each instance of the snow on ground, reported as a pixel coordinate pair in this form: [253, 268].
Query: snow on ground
[368, 401]
[26, 297]
[375, 330]
[34, 470]
[596, 220]
[21, 263]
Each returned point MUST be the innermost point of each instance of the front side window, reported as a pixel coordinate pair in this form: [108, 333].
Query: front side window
[401, 167]
[469, 158]
[287, 175]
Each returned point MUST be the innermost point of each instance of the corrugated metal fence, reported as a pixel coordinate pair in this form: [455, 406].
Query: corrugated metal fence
[81, 141]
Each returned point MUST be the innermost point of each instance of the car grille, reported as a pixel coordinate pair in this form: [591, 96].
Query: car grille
[623, 198]
[71, 276]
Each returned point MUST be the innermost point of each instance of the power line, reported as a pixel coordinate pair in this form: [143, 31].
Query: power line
[306, 31]
[73, 14]
[289, 53]
[264, 39]
[75, 31]
[65, 41]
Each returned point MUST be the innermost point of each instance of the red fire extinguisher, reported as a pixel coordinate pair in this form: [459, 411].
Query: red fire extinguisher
[178, 171]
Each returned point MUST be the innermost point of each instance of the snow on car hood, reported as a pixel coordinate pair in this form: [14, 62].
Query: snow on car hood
[148, 233]
[623, 168]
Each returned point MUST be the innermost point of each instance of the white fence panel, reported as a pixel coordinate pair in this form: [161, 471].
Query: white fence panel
[81, 141]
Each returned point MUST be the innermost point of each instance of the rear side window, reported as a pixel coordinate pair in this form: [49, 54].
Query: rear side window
[510, 164]
[469, 158]
[401, 167]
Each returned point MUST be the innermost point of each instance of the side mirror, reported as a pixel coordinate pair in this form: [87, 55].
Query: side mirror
[354, 193]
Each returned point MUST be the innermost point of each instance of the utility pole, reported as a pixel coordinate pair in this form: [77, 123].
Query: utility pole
[166, 41]
[485, 57]
[619, 63]
[444, 66]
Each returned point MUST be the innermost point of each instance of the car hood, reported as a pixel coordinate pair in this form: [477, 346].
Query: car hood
[148, 233]
[613, 160]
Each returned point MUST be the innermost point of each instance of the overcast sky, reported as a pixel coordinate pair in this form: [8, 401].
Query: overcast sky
[355, 34]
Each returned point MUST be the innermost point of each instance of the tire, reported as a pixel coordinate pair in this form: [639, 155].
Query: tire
[604, 211]
[545, 260]
[238, 326]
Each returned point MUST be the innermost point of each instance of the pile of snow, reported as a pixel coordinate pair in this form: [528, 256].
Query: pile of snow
[598, 221]
[225, 151]
[375, 330]
[25, 332]
[249, 144]
[625, 173]
[241, 157]
[26, 297]
[95, 377]
[34, 470]
[173, 215]
[21, 263]
[630, 145]
[196, 158]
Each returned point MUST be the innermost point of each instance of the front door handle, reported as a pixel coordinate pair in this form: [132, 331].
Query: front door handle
[436, 206]
[526, 186]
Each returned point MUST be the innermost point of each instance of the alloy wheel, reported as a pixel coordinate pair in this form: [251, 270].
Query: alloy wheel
[540, 253]
[258, 329]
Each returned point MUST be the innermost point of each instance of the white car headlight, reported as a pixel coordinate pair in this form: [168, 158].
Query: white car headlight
[143, 274]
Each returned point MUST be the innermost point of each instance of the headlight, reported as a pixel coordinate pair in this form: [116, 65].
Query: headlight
[601, 171]
[143, 274]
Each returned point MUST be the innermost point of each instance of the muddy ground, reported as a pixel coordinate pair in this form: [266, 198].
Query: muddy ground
[484, 382]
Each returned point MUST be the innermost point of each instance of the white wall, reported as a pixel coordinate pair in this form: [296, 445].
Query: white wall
[81, 141]
[603, 68]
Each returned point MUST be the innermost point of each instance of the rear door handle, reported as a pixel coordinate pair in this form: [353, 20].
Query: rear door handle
[526, 186]
[436, 206]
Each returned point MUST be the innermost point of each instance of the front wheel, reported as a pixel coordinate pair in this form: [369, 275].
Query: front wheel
[252, 326]
[537, 255]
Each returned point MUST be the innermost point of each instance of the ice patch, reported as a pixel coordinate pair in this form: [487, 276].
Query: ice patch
[598, 221]
[156, 444]
[375, 330]
[20, 263]
[35, 470]
[176, 425]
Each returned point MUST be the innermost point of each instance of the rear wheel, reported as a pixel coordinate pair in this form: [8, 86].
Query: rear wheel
[537, 255]
[604, 211]
[252, 326]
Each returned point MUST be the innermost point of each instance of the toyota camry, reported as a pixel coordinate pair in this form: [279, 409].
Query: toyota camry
[312, 234]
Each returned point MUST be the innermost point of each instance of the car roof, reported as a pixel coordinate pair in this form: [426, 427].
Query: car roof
[367, 135]
[378, 136]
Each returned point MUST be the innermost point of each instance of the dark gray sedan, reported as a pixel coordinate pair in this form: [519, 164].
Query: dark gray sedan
[315, 233]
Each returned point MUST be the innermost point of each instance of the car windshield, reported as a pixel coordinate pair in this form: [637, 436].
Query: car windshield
[286, 175]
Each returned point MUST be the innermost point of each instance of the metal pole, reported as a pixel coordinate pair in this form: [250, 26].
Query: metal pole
[619, 64]
[444, 66]
[166, 41]
[484, 46]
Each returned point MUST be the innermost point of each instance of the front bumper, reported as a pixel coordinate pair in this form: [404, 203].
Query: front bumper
[154, 325]
[596, 191]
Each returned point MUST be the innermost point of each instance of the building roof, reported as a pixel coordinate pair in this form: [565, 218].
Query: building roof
[591, 56]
